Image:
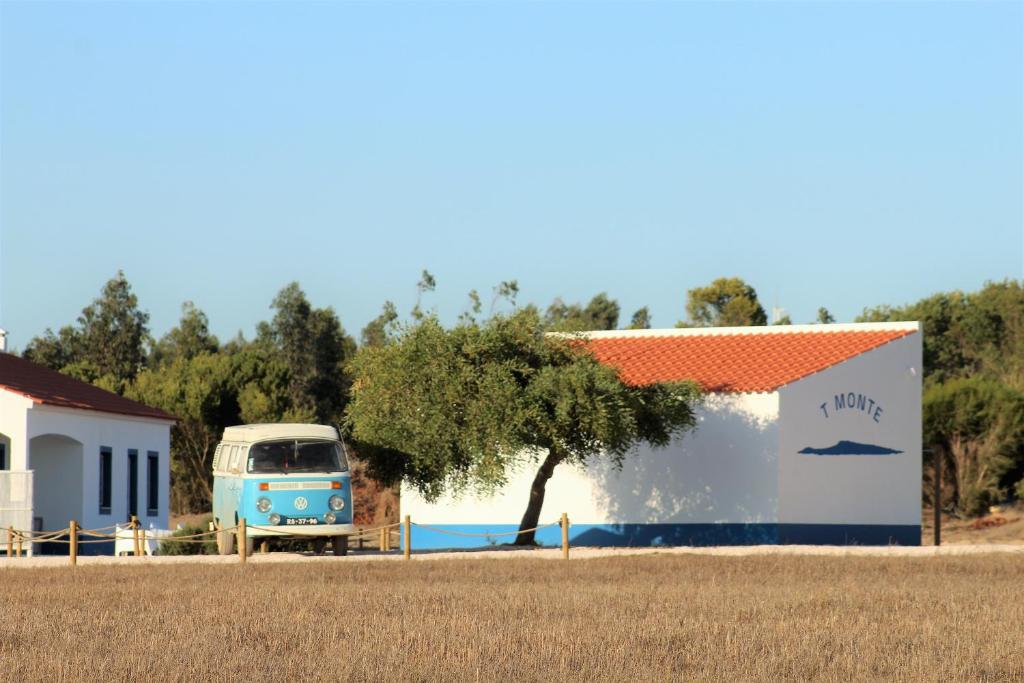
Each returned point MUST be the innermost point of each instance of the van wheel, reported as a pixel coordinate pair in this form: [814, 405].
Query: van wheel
[339, 544]
[319, 543]
[225, 542]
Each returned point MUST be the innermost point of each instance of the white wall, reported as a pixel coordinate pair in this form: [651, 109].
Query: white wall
[14, 425]
[120, 433]
[854, 489]
[725, 471]
[56, 462]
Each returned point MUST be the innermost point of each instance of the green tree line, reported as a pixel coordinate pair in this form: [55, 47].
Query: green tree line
[301, 362]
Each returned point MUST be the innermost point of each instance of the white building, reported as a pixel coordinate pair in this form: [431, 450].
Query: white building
[807, 434]
[72, 451]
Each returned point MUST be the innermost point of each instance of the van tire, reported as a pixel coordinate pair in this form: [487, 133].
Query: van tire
[225, 542]
[339, 544]
[319, 543]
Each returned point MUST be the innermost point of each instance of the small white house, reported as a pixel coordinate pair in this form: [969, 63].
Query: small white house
[807, 434]
[72, 451]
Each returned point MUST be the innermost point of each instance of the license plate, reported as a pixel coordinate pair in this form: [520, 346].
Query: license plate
[301, 521]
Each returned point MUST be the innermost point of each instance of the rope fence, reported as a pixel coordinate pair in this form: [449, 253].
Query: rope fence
[73, 536]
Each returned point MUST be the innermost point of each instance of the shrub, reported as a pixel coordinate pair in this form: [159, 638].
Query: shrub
[977, 427]
[189, 547]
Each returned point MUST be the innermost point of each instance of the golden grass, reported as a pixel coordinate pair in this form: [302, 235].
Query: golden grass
[626, 619]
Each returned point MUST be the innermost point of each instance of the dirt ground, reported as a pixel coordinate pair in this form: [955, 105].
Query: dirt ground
[975, 531]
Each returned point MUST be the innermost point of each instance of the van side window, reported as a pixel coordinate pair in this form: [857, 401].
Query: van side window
[233, 459]
[217, 465]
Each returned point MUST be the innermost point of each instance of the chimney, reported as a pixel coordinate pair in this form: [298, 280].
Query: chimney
[3, 340]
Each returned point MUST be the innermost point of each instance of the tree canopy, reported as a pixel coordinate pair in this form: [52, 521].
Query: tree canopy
[600, 313]
[462, 408]
[726, 302]
[107, 346]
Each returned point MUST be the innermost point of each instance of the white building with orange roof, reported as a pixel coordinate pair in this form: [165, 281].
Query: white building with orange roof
[807, 434]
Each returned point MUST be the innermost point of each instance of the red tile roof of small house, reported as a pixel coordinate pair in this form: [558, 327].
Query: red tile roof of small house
[738, 359]
[51, 388]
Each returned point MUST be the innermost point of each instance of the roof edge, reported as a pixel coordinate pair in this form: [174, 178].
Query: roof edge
[908, 326]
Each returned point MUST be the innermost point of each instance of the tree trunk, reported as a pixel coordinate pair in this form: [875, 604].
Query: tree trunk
[540, 481]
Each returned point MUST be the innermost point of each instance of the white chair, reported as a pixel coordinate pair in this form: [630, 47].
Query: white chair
[124, 539]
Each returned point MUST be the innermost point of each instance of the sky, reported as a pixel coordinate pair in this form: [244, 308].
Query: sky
[837, 155]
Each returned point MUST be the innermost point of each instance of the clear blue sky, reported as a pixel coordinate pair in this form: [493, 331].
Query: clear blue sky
[838, 155]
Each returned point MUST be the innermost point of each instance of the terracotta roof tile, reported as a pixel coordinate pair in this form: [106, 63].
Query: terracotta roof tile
[50, 387]
[734, 362]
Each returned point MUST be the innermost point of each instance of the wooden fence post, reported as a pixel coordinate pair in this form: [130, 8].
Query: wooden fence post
[242, 545]
[565, 535]
[73, 542]
[408, 538]
[380, 538]
[359, 539]
[10, 541]
[135, 535]
[142, 539]
[937, 502]
[19, 544]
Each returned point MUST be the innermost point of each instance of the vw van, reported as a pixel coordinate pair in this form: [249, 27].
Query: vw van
[287, 481]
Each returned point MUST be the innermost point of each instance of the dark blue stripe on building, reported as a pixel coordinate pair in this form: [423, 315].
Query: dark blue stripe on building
[654, 535]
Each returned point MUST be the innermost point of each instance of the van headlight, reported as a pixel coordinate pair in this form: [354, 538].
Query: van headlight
[263, 504]
[330, 517]
[336, 502]
[274, 518]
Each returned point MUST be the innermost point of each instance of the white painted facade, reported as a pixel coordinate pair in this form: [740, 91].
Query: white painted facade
[742, 464]
[59, 449]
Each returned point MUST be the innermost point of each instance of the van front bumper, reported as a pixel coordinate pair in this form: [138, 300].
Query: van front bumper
[271, 530]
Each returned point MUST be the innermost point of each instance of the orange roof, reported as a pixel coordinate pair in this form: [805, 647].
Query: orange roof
[738, 360]
[49, 387]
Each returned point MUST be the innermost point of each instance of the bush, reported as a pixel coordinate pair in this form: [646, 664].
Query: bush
[189, 547]
[977, 427]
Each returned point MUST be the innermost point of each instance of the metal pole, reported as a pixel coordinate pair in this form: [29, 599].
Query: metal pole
[408, 536]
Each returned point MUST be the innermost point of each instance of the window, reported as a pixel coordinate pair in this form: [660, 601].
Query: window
[233, 459]
[295, 456]
[3, 456]
[152, 483]
[133, 483]
[106, 478]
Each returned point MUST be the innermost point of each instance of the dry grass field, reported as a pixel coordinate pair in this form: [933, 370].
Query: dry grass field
[626, 619]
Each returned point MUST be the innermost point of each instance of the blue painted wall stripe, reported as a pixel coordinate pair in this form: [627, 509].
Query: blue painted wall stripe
[653, 535]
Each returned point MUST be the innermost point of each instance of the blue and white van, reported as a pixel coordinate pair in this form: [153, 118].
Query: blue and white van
[286, 480]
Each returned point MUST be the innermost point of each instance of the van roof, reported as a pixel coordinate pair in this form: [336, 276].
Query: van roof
[260, 432]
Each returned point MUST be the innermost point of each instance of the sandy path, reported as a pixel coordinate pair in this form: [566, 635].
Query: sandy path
[539, 553]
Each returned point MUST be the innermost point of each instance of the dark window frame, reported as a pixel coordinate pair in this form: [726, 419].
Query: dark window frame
[3, 457]
[152, 483]
[133, 482]
[106, 479]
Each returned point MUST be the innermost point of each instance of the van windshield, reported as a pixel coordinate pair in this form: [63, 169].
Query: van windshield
[296, 455]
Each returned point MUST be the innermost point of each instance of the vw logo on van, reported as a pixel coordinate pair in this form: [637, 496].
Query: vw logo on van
[301, 503]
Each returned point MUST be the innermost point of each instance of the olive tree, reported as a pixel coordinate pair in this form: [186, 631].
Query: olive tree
[463, 408]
